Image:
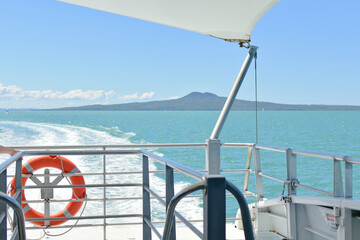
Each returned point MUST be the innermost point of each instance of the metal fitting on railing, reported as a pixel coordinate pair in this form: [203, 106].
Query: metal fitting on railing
[294, 183]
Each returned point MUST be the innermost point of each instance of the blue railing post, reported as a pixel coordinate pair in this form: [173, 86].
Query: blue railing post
[146, 199]
[3, 210]
[169, 196]
[214, 208]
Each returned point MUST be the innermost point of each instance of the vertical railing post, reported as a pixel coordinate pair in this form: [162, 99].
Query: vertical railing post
[213, 156]
[169, 196]
[247, 173]
[338, 188]
[291, 207]
[18, 179]
[214, 208]
[46, 195]
[258, 177]
[291, 171]
[3, 208]
[348, 178]
[18, 187]
[104, 194]
[146, 199]
[344, 231]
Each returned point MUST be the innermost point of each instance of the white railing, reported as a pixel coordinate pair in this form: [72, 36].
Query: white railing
[145, 216]
[342, 186]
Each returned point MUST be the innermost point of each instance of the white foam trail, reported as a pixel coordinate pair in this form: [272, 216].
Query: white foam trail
[31, 134]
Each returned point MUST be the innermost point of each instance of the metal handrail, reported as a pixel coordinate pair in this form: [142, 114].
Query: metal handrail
[85, 185]
[245, 213]
[123, 223]
[177, 166]
[101, 146]
[337, 178]
[121, 198]
[189, 171]
[18, 212]
[81, 152]
[183, 145]
[174, 165]
[244, 209]
[174, 201]
[118, 149]
[85, 217]
[296, 152]
[4, 165]
[88, 151]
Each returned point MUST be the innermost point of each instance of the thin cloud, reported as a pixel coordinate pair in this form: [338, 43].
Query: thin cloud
[146, 95]
[129, 97]
[86, 95]
[16, 93]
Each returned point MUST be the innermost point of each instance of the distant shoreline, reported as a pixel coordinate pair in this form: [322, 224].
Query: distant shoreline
[180, 110]
[197, 101]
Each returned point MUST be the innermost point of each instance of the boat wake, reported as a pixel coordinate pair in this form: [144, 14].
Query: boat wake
[41, 134]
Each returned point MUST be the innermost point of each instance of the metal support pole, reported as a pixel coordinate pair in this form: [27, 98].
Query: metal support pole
[3, 208]
[146, 200]
[231, 98]
[213, 156]
[214, 208]
[169, 196]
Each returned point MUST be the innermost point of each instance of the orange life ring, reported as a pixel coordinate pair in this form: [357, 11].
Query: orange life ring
[60, 163]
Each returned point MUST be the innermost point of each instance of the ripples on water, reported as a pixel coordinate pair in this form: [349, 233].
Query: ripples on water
[329, 131]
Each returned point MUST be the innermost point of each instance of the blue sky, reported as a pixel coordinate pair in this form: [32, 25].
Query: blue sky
[54, 54]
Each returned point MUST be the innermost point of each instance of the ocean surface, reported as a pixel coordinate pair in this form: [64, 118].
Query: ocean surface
[336, 132]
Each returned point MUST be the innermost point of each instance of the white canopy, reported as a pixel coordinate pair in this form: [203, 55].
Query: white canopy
[231, 20]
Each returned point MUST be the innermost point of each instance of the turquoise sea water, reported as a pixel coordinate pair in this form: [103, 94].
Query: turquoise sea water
[335, 132]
